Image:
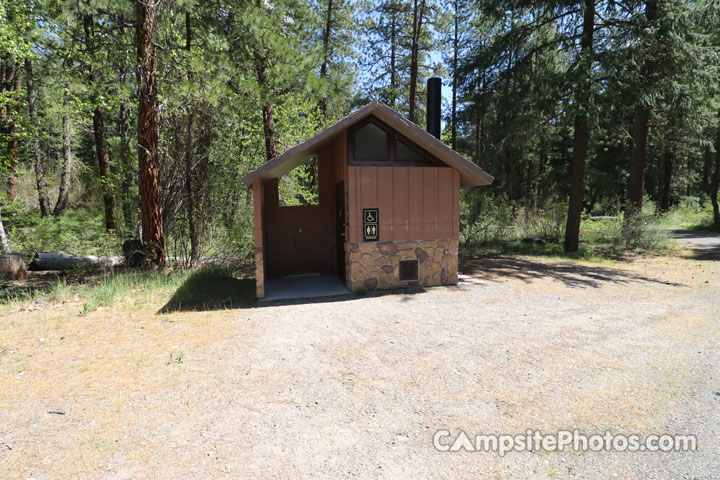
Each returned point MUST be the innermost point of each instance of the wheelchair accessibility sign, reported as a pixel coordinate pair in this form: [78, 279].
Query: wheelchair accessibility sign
[371, 228]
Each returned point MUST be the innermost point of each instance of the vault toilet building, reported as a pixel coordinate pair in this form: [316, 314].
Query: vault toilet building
[388, 210]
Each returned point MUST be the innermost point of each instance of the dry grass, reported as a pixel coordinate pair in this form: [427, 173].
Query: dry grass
[85, 350]
[89, 367]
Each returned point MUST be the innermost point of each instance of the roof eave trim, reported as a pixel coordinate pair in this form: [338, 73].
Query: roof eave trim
[471, 175]
[311, 142]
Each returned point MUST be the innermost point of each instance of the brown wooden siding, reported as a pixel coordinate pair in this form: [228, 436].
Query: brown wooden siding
[401, 203]
[340, 154]
[257, 189]
[415, 203]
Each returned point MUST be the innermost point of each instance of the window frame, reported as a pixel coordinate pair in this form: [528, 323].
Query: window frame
[392, 137]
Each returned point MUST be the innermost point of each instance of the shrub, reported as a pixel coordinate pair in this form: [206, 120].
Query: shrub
[79, 232]
[548, 222]
[689, 214]
[641, 230]
[487, 219]
[484, 219]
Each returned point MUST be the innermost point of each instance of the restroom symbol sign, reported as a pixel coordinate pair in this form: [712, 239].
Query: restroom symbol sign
[371, 227]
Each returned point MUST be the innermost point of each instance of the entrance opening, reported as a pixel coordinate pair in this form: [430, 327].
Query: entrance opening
[301, 186]
[304, 230]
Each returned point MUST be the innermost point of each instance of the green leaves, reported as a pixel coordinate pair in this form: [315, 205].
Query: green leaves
[15, 25]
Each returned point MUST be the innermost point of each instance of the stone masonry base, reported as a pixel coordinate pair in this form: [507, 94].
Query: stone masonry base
[259, 273]
[373, 266]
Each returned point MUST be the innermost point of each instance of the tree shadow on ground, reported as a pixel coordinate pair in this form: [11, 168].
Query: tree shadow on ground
[703, 245]
[37, 283]
[212, 289]
[571, 274]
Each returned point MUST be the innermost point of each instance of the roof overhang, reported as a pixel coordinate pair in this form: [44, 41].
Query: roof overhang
[471, 175]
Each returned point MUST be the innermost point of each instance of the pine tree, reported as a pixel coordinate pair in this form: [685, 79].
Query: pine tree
[102, 151]
[152, 227]
[580, 129]
[338, 38]
[638, 156]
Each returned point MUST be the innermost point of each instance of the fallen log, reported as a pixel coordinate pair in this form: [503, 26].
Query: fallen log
[539, 240]
[64, 262]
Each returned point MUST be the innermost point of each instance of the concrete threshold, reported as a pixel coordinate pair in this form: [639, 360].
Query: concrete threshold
[294, 287]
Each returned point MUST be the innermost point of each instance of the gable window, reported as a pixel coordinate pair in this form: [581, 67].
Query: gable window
[371, 144]
[374, 143]
[406, 154]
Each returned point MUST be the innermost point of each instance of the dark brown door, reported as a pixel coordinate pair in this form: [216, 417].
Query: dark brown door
[340, 227]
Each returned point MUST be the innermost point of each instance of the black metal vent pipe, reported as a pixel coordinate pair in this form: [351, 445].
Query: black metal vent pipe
[434, 105]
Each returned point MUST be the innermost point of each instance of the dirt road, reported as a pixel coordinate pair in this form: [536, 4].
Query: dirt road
[706, 244]
[357, 388]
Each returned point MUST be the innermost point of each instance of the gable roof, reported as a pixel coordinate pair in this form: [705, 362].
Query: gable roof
[471, 175]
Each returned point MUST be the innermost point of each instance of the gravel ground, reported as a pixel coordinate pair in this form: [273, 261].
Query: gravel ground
[356, 388]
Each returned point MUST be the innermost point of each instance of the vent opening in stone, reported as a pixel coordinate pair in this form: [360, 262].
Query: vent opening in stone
[408, 270]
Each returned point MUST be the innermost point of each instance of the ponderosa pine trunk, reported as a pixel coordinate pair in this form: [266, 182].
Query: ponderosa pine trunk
[510, 173]
[269, 132]
[189, 170]
[148, 158]
[708, 161]
[539, 197]
[418, 14]
[267, 110]
[480, 123]
[666, 183]
[64, 191]
[202, 184]
[323, 103]
[11, 87]
[638, 155]
[103, 157]
[4, 116]
[393, 58]
[477, 136]
[190, 191]
[453, 116]
[507, 144]
[715, 181]
[530, 182]
[40, 181]
[102, 153]
[129, 199]
[15, 141]
[581, 133]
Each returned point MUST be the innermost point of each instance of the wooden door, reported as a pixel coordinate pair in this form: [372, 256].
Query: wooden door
[340, 227]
